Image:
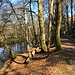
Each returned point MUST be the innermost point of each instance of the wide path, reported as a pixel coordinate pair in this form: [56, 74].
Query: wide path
[69, 48]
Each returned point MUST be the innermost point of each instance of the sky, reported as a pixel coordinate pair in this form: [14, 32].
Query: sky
[14, 1]
[34, 8]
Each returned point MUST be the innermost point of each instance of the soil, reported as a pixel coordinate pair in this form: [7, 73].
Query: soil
[58, 63]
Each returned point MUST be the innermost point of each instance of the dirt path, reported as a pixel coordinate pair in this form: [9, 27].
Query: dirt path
[42, 65]
[69, 48]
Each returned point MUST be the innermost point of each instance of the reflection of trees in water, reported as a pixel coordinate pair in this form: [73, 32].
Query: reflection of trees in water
[17, 48]
[1, 64]
[5, 55]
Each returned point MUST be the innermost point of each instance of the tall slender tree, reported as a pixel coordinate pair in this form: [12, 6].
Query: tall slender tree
[71, 15]
[58, 25]
[35, 38]
[50, 10]
[41, 24]
[67, 20]
[26, 32]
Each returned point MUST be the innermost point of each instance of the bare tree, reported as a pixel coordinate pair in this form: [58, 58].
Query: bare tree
[33, 21]
[50, 8]
[71, 16]
[41, 24]
[58, 25]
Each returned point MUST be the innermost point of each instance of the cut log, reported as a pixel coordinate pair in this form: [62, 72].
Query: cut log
[31, 54]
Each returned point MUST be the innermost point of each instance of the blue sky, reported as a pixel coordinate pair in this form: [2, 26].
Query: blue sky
[14, 1]
[34, 8]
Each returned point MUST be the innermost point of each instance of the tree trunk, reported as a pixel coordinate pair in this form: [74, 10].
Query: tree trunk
[68, 23]
[68, 28]
[26, 34]
[12, 54]
[33, 23]
[41, 24]
[26, 28]
[71, 16]
[50, 7]
[58, 25]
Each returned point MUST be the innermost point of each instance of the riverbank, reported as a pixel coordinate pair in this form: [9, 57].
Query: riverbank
[41, 65]
[58, 63]
[11, 41]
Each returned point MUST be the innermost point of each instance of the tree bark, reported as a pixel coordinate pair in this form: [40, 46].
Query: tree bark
[71, 16]
[33, 22]
[58, 25]
[41, 24]
[50, 7]
[12, 54]
[68, 23]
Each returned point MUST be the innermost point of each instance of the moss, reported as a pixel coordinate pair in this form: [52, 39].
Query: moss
[13, 55]
[30, 61]
[58, 43]
[7, 63]
[44, 47]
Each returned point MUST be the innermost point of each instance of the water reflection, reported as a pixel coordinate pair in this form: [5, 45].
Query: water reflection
[17, 48]
[1, 64]
[1, 49]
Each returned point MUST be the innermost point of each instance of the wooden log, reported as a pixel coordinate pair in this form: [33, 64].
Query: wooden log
[31, 54]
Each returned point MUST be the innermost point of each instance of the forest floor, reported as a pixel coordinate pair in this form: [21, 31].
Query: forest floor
[58, 63]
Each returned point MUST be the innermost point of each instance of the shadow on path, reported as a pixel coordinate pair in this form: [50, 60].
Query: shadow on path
[69, 47]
